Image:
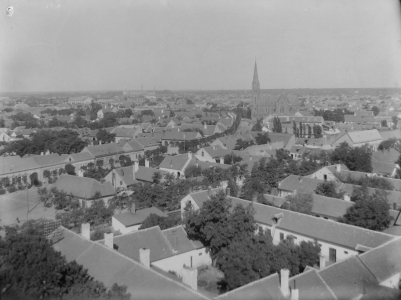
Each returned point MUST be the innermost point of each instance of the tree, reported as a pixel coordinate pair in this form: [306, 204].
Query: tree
[2, 123]
[294, 129]
[248, 113]
[356, 159]
[32, 269]
[384, 123]
[395, 121]
[309, 131]
[277, 125]
[370, 212]
[262, 138]
[241, 144]
[257, 126]
[299, 202]
[232, 159]
[375, 110]
[328, 189]
[163, 222]
[388, 144]
[125, 160]
[193, 171]
[301, 131]
[70, 169]
[172, 114]
[157, 177]
[105, 137]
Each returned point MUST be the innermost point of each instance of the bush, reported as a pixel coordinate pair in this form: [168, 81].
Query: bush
[21, 187]
[2, 191]
[99, 234]
[11, 188]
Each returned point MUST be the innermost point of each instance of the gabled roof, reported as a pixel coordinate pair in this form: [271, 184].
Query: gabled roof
[384, 261]
[176, 162]
[133, 145]
[181, 136]
[128, 132]
[10, 164]
[110, 266]
[50, 159]
[383, 168]
[179, 241]
[216, 151]
[104, 150]
[206, 164]
[267, 288]
[126, 174]
[81, 156]
[365, 136]
[347, 278]
[310, 226]
[146, 142]
[386, 156]
[83, 187]
[146, 174]
[299, 183]
[129, 219]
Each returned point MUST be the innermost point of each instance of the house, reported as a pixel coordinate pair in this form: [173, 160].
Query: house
[104, 110]
[287, 139]
[106, 154]
[176, 164]
[126, 132]
[131, 220]
[360, 138]
[133, 148]
[337, 240]
[122, 177]
[171, 137]
[385, 156]
[85, 189]
[388, 134]
[384, 169]
[147, 143]
[212, 154]
[323, 207]
[109, 266]
[80, 161]
[4, 137]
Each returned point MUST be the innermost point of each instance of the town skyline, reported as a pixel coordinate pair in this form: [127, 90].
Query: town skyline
[80, 46]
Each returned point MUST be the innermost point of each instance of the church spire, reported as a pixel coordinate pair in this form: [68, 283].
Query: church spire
[255, 73]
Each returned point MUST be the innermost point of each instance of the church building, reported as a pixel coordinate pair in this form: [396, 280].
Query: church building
[265, 105]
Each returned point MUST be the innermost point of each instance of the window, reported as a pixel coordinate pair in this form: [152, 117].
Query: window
[326, 218]
[281, 236]
[200, 254]
[203, 153]
[345, 252]
[325, 177]
[332, 255]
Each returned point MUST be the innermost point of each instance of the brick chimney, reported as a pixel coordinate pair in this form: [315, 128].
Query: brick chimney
[147, 163]
[144, 257]
[284, 277]
[108, 240]
[190, 277]
[86, 230]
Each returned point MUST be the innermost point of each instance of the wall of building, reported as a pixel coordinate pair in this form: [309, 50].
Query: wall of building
[323, 171]
[205, 157]
[200, 257]
[392, 282]
[117, 225]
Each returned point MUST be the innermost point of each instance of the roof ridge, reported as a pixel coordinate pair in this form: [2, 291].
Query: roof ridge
[327, 286]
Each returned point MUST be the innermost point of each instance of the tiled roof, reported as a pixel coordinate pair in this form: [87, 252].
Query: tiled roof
[299, 183]
[146, 174]
[267, 288]
[133, 145]
[321, 229]
[126, 174]
[176, 162]
[347, 278]
[146, 142]
[11, 164]
[391, 134]
[181, 136]
[384, 261]
[49, 160]
[128, 132]
[129, 219]
[109, 267]
[206, 164]
[365, 136]
[216, 151]
[83, 187]
[383, 168]
[104, 150]
[81, 156]
[331, 207]
[386, 156]
[178, 239]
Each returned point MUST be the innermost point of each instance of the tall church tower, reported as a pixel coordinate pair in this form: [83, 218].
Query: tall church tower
[255, 92]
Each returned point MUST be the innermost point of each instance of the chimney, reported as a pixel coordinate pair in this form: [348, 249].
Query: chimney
[347, 197]
[205, 126]
[284, 276]
[86, 230]
[209, 191]
[133, 208]
[338, 168]
[300, 178]
[190, 155]
[144, 257]
[190, 277]
[222, 160]
[175, 240]
[147, 163]
[197, 162]
[228, 191]
[108, 240]
[322, 262]
[294, 294]
[136, 166]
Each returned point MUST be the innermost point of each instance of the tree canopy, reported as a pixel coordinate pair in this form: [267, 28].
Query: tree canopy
[356, 159]
[299, 202]
[262, 138]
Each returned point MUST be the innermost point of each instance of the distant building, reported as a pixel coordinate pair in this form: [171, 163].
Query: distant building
[265, 105]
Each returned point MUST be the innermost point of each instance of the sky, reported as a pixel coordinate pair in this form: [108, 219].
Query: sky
[88, 45]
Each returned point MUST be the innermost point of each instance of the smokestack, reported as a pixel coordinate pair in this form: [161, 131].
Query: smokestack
[108, 240]
[144, 257]
[190, 277]
[284, 276]
[86, 231]
[147, 163]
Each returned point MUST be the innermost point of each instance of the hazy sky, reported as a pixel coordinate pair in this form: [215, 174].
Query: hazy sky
[65, 45]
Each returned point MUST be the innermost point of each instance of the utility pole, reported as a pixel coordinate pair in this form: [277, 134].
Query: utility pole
[27, 202]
